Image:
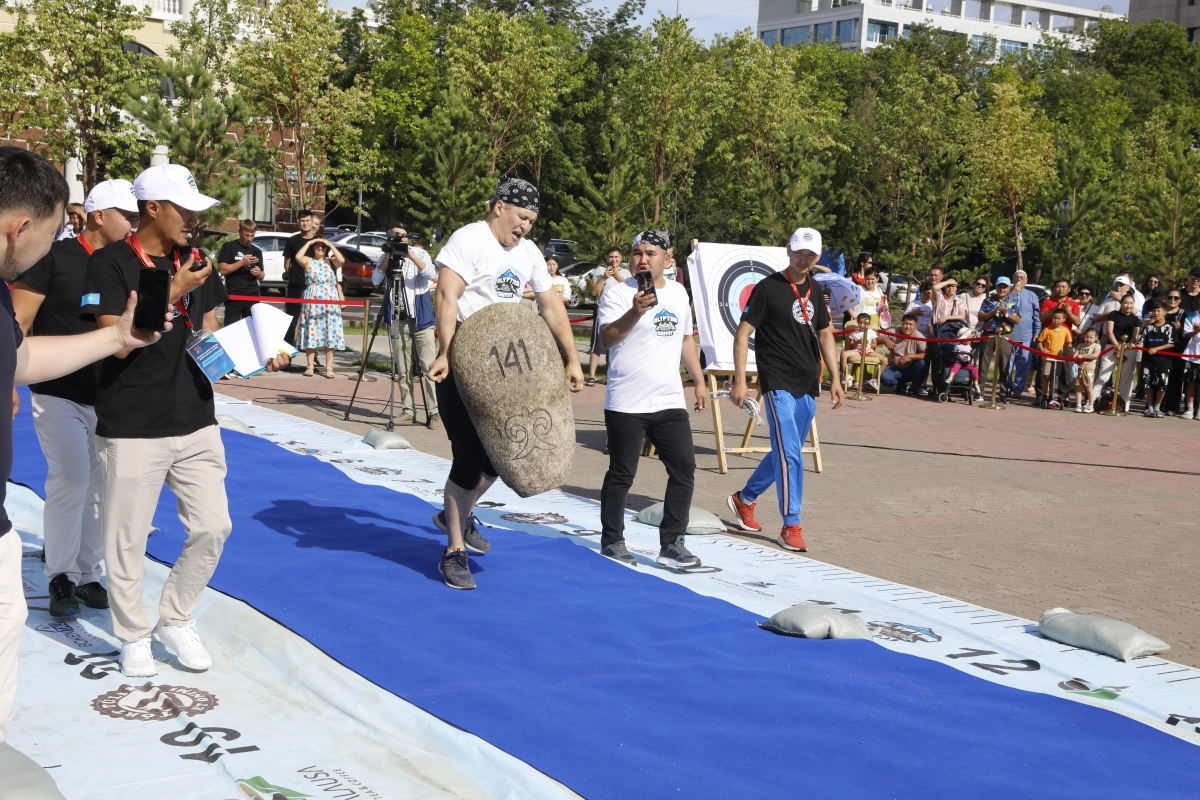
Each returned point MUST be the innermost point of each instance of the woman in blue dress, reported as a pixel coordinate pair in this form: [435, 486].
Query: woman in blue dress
[320, 324]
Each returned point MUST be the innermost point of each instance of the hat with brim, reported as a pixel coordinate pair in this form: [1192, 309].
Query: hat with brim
[1002, 281]
[806, 239]
[115, 193]
[173, 183]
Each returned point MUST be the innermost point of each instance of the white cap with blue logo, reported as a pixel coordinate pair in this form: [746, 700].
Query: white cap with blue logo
[806, 239]
[174, 183]
[115, 193]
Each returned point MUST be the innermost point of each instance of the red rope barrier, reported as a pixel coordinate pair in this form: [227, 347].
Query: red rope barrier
[1046, 355]
[1162, 352]
[898, 335]
[253, 299]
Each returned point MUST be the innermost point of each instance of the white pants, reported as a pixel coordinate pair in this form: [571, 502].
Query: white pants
[12, 621]
[71, 519]
[1106, 369]
[134, 472]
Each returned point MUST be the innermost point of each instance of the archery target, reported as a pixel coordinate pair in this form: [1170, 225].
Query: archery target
[727, 275]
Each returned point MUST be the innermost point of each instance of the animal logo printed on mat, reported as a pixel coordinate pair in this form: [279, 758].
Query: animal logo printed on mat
[544, 518]
[527, 430]
[899, 632]
[150, 703]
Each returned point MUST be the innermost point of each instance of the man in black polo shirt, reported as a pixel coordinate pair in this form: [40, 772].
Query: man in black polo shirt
[46, 300]
[241, 264]
[155, 422]
[310, 225]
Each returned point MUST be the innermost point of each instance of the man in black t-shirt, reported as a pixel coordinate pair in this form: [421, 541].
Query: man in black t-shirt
[240, 263]
[790, 323]
[46, 299]
[1191, 293]
[310, 225]
[155, 422]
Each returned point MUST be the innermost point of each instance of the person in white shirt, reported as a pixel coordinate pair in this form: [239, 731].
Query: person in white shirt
[483, 263]
[975, 299]
[603, 277]
[416, 327]
[648, 335]
[922, 306]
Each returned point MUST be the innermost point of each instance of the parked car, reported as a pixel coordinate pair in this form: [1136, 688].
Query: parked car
[370, 243]
[563, 250]
[356, 274]
[1041, 291]
[578, 275]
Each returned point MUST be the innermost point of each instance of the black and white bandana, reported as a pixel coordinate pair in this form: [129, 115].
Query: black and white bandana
[519, 193]
[657, 238]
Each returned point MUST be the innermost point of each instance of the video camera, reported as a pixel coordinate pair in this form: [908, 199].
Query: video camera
[395, 246]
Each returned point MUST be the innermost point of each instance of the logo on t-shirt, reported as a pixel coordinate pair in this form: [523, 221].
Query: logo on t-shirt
[665, 324]
[508, 285]
[799, 316]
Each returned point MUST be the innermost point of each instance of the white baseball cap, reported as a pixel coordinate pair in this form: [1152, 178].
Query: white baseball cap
[174, 183]
[1122, 281]
[806, 239]
[116, 193]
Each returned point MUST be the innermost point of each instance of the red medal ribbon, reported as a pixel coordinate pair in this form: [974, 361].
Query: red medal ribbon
[138, 250]
[803, 300]
[84, 244]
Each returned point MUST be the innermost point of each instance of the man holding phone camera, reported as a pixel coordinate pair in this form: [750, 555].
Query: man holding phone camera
[646, 324]
[240, 262]
[156, 422]
[46, 300]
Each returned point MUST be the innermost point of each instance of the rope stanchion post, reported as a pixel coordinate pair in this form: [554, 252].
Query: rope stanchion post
[1112, 411]
[993, 405]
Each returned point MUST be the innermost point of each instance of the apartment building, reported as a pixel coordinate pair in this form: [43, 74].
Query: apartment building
[1184, 13]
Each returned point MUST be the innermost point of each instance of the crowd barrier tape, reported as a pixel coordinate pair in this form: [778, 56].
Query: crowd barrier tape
[253, 299]
[1070, 359]
[897, 335]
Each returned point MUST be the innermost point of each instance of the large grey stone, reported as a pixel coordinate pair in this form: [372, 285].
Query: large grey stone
[510, 374]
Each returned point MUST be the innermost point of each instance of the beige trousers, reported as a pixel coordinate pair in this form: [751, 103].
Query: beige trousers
[134, 472]
[12, 621]
[426, 353]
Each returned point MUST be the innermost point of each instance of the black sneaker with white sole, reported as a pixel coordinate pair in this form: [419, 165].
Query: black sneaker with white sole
[618, 552]
[472, 538]
[456, 570]
[677, 556]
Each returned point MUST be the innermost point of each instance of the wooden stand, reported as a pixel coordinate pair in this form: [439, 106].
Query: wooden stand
[813, 447]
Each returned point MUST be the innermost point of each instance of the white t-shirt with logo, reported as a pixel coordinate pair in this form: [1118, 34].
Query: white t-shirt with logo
[493, 274]
[643, 370]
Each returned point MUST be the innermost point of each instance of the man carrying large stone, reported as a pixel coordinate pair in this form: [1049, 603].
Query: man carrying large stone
[647, 335]
[483, 263]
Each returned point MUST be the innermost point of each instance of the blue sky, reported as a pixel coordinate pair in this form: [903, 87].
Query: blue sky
[710, 17]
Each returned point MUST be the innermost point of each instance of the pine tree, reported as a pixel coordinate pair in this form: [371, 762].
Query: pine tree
[609, 208]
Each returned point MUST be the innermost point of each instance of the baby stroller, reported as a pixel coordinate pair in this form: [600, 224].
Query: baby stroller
[942, 361]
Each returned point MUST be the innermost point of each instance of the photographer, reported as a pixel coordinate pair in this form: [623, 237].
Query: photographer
[415, 322]
[155, 422]
[240, 263]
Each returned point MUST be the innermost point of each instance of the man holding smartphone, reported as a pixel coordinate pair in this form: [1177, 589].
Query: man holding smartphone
[32, 196]
[646, 324]
[46, 301]
[309, 222]
[156, 422]
[240, 262]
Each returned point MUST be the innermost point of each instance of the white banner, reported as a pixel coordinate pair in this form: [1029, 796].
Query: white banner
[723, 275]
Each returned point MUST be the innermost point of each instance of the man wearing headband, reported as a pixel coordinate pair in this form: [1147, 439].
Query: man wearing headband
[792, 334]
[648, 335]
[46, 300]
[486, 262]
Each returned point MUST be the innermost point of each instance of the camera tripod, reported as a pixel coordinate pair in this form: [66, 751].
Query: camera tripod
[396, 309]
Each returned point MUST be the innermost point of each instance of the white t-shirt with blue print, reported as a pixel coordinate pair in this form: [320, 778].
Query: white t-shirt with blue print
[493, 274]
[643, 370]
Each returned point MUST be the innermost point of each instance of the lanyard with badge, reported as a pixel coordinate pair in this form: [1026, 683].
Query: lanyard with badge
[803, 303]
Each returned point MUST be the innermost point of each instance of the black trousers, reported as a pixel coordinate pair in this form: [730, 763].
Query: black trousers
[470, 460]
[671, 432]
[236, 310]
[293, 310]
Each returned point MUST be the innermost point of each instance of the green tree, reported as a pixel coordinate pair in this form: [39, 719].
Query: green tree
[207, 34]
[607, 208]
[941, 216]
[1078, 207]
[793, 188]
[1170, 218]
[21, 105]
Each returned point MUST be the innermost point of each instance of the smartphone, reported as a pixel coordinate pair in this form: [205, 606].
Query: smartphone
[645, 281]
[154, 295]
[197, 260]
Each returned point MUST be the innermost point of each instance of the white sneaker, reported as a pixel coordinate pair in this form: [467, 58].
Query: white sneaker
[873, 384]
[184, 642]
[136, 660]
[1186, 415]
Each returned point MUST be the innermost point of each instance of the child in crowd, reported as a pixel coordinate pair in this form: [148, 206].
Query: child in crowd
[1090, 349]
[1157, 336]
[1053, 341]
[961, 358]
[1191, 368]
[853, 349]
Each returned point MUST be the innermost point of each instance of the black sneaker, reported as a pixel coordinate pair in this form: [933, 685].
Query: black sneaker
[456, 570]
[62, 596]
[471, 536]
[677, 556]
[617, 552]
[92, 595]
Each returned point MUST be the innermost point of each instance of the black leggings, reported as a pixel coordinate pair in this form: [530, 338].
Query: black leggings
[471, 461]
[671, 433]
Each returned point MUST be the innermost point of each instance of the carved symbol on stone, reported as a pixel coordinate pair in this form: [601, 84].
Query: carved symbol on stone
[527, 430]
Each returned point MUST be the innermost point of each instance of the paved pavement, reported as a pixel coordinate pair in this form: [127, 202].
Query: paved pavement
[1019, 510]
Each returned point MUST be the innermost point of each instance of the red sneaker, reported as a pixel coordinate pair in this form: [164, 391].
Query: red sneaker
[791, 538]
[744, 513]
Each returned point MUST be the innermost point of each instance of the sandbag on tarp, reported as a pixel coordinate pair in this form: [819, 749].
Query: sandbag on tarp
[699, 520]
[813, 621]
[386, 440]
[1099, 634]
[22, 779]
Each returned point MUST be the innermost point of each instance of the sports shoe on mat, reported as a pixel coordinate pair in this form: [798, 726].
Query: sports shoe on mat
[62, 597]
[136, 660]
[472, 538]
[456, 570]
[677, 556]
[92, 595]
[184, 642]
[792, 539]
[618, 552]
[743, 511]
